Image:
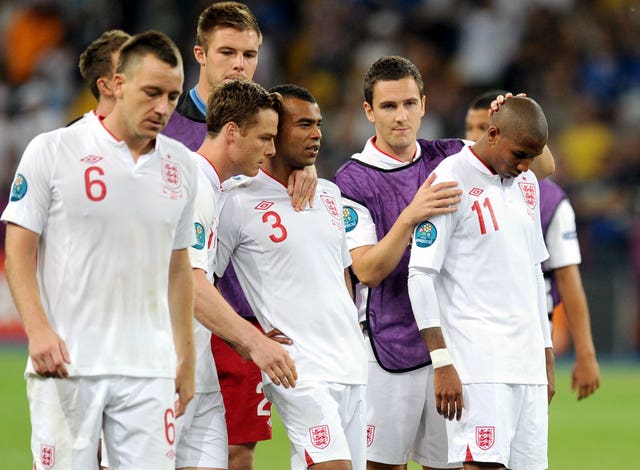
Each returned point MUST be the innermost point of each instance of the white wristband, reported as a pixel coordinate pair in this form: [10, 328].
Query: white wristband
[440, 358]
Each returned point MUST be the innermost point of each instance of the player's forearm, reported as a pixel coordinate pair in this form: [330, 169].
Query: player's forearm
[20, 265]
[542, 306]
[372, 264]
[181, 294]
[217, 315]
[576, 309]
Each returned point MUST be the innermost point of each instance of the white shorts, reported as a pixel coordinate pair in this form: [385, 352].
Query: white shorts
[202, 433]
[408, 425]
[502, 423]
[324, 421]
[136, 415]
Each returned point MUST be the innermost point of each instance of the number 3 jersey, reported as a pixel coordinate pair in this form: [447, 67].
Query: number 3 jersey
[291, 267]
[486, 255]
[107, 226]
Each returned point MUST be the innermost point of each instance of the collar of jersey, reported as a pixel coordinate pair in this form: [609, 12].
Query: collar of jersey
[372, 155]
[271, 181]
[198, 101]
[477, 163]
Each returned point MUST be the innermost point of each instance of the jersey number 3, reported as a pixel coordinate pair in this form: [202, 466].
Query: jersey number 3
[280, 231]
[95, 188]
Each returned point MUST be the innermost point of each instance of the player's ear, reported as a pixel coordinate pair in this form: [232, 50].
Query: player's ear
[231, 131]
[368, 111]
[104, 86]
[117, 83]
[493, 134]
[200, 55]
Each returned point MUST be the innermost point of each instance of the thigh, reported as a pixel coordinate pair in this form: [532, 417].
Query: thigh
[529, 445]
[202, 433]
[487, 426]
[392, 424]
[139, 424]
[66, 416]
[354, 416]
[430, 448]
[248, 414]
[310, 413]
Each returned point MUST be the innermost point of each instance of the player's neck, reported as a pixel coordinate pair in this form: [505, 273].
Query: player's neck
[401, 153]
[278, 170]
[217, 155]
[137, 145]
[105, 106]
[203, 88]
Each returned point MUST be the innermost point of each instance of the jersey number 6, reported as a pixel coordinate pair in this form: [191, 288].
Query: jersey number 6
[96, 189]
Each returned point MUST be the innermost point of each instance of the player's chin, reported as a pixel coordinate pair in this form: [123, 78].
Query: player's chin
[253, 171]
[151, 130]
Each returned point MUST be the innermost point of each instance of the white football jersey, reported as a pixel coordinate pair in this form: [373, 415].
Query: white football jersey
[201, 255]
[291, 267]
[89, 116]
[107, 226]
[487, 254]
[561, 239]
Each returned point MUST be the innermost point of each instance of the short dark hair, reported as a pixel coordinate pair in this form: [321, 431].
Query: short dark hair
[150, 42]
[390, 68]
[483, 101]
[288, 90]
[225, 15]
[95, 61]
[238, 101]
[522, 117]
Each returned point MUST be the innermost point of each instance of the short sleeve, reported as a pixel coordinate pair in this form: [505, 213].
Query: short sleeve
[30, 197]
[358, 224]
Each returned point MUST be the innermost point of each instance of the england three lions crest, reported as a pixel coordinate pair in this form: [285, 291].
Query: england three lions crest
[331, 206]
[371, 433]
[529, 194]
[485, 436]
[172, 177]
[320, 436]
[47, 456]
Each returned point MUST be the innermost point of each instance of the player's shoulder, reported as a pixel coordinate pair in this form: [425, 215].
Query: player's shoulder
[441, 147]
[52, 137]
[175, 148]
[326, 185]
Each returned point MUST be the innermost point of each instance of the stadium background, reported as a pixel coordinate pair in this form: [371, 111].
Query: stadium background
[580, 59]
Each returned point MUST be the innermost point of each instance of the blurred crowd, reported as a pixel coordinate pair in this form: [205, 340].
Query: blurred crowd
[580, 59]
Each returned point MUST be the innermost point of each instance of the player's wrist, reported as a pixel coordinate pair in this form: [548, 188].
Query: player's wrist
[440, 358]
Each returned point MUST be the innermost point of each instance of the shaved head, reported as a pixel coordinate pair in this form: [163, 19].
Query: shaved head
[521, 118]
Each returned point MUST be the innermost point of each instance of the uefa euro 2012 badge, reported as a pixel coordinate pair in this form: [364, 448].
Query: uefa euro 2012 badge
[350, 218]
[425, 234]
[19, 188]
[200, 236]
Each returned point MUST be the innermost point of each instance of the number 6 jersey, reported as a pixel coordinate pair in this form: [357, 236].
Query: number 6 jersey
[291, 267]
[107, 226]
[486, 255]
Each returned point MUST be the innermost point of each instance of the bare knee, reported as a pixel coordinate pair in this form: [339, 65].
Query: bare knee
[241, 456]
[332, 465]
[384, 466]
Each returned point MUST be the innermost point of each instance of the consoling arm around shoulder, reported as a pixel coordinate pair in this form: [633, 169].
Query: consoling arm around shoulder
[373, 263]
